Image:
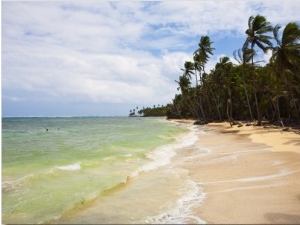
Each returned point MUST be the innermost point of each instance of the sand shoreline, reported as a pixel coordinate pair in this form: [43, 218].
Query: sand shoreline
[250, 175]
[276, 139]
[228, 175]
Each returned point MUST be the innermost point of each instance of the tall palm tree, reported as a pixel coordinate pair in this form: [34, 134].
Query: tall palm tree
[185, 87]
[258, 27]
[256, 33]
[286, 59]
[189, 69]
[204, 49]
[244, 57]
[219, 84]
[184, 84]
[201, 56]
[198, 66]
[286, 54]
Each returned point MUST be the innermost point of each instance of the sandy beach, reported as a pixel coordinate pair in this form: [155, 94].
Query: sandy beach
[222, 175]
[249, 174]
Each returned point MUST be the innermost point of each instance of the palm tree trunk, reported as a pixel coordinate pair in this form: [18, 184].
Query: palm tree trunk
[246, 93]
[292, 95]
[198, 96]
[278, 109]
[215, 101]
[229, 107]
[295, 106]
[229, 111]
[190, 105]
[259, 117]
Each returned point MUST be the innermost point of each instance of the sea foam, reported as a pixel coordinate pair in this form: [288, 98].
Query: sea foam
[70, 167]
[181, 211]
[162, 155]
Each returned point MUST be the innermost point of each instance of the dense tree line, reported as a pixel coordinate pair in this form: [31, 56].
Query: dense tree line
[247, 90]
[147, 112]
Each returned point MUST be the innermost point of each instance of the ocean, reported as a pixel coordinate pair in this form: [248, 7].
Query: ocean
[96, 170]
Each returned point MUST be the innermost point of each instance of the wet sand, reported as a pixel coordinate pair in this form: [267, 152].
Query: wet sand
[248, 174]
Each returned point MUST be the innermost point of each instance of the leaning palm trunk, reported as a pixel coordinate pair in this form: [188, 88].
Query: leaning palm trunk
[200, 103]
[192, 108]
[215, 101]
[255, 94]
[259, 117]
[292, 96]
[294, 100]
[193, 111]
[199, 96]
[275, 102]
[229, 112]
[229, 108]
[247, 97]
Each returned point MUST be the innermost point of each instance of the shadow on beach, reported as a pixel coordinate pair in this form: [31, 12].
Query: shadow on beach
[282, 218]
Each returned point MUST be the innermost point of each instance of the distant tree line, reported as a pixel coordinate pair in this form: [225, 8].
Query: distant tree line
[147, 112]
[247, 90]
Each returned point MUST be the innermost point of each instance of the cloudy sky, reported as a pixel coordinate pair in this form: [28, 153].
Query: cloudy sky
[100, 58]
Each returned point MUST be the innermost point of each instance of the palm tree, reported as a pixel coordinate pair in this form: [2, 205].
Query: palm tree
[244, 56]
[189, 69]
[257, 28]
[287, 54]
[204, 49]
[286, 59]
[256, 35]
[186, 103]
[223, 71]
[184, 84]
[201, 56]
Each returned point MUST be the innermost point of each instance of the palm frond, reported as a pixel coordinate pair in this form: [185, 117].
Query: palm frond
[276, 34]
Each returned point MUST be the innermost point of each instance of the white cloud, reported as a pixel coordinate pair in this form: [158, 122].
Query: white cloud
[122, 52]
[13, 98]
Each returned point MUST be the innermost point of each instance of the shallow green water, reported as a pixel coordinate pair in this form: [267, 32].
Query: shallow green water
[51, 166]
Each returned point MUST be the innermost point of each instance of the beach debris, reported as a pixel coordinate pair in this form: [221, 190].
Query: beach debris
[287, 129]
[201, 122]
[240, 125]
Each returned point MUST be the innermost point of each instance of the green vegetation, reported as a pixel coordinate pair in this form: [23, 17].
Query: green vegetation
[146, 112]
[249, 90]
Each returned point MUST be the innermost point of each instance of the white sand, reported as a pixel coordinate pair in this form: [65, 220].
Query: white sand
[250, 175]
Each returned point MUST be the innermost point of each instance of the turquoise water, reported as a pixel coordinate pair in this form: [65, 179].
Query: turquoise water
[53, 166]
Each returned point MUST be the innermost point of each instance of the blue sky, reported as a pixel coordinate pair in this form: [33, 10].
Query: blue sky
[100, 58]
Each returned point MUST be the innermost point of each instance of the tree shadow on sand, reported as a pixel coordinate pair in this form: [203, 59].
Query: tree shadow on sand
[282, 218]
